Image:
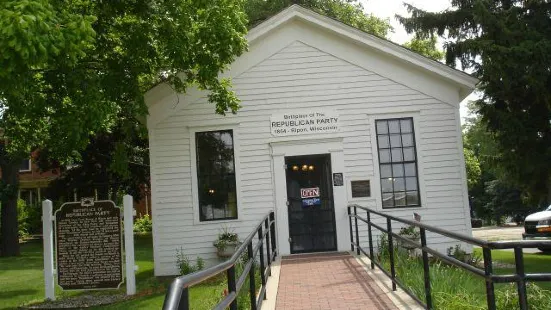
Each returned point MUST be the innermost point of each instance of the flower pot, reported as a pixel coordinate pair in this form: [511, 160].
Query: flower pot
[406, 245]
[228, 250]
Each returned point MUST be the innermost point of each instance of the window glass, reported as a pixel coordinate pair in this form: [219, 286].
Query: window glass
[25, 165]
[383, 142]
[216, 175]
[398, 162]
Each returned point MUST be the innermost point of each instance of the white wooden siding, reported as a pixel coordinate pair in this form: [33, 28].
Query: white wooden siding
[300, 77]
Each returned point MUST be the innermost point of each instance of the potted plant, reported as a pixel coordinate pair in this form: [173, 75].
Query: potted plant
[411, 233]
[227, 243]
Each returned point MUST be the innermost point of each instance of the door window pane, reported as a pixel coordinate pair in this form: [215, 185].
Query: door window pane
[216, 175]
[398, 165]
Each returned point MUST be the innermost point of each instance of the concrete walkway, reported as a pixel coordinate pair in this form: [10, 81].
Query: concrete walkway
[328, 281]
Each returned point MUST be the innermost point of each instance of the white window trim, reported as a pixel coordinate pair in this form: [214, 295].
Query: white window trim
[376, 185]
[360, 199]
[30, 167]
[195, 182]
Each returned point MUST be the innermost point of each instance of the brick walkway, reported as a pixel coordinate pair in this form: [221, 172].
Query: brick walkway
[327, 281]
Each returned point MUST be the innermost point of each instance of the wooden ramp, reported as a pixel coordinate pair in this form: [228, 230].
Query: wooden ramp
[327, 281]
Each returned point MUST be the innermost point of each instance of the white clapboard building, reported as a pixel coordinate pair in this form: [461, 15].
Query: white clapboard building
[331, 116]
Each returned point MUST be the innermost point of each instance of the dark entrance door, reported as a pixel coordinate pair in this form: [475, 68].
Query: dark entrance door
[310, 204]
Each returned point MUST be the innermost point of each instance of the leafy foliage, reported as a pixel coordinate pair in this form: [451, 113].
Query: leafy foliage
[473, 168]
[143, 224]
[70, 69]
[425, 47]
[226, 237]
[506, 44]
[114, 162]
[185, 266]
[492, 195]
[349, 12]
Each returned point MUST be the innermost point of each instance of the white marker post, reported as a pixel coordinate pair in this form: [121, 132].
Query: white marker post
[129, 244]
[48, 239]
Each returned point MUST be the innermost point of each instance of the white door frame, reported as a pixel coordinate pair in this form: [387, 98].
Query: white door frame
[282, 149]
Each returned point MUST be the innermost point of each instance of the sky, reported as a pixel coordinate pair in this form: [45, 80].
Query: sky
[389, 8]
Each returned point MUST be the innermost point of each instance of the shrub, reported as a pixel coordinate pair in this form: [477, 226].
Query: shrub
[143, 224]
[29, 219]
[538, 298]
[185, 266]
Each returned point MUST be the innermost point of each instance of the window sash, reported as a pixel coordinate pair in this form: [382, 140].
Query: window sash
[221, 203]
[397, 153]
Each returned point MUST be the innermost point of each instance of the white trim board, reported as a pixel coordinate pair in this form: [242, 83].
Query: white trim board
[282, 149]
[195, 182]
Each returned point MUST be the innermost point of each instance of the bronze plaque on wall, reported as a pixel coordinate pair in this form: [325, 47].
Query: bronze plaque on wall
[360, 188]
[88, 245]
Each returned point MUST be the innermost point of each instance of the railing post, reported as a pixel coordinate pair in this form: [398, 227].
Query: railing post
[521, 283]
[370, 240]
[488, 271]
[184, 299]
[252, 286]
[261, 250]
[273, 234]
[391, 252]
[268, 238]
[232, 286]
[357, 234]
[428, 294]
[351, 232]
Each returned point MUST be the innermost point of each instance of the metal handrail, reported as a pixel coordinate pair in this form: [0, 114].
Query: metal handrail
[177, 296]
[520, 277]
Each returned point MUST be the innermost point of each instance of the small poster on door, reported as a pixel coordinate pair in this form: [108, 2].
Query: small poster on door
[308, 202]
[309, 192]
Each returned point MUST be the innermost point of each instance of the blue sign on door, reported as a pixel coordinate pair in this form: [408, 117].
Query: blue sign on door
[311, 202]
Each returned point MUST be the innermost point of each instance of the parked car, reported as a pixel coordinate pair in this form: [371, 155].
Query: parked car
[537, 226]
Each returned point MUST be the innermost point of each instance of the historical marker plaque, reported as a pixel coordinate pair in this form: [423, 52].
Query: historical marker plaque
[89, 248]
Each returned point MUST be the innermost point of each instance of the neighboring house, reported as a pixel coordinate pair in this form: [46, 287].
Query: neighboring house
[322, 102]
[33, 184]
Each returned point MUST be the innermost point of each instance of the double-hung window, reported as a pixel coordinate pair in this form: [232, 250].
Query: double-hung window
[216, 184]
[397, 163]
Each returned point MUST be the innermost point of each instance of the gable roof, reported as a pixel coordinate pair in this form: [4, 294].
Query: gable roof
[465, 81]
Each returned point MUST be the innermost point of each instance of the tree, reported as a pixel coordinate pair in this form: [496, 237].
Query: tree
[473, 168]
[115, 161]
[349, 12]
[70, 69]
[506, 44]
[425, 47]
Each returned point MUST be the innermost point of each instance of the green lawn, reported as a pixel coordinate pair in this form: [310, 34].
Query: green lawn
[533, 263]
[22, 282]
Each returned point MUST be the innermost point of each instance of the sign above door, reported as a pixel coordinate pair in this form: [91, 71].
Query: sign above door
[308, 122]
